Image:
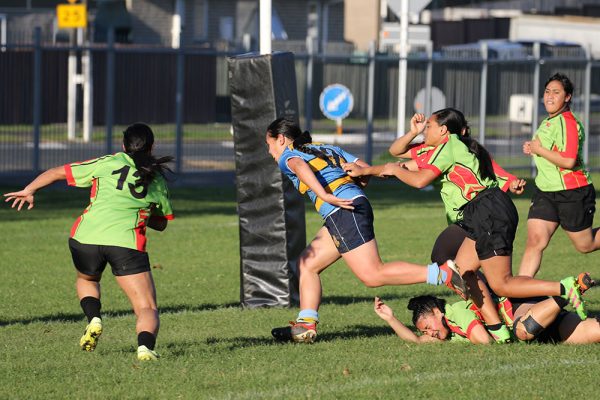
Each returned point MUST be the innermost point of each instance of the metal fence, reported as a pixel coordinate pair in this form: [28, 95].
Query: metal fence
[183, 95]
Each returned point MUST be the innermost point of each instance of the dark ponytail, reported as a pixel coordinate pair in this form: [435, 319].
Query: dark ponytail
[138, 140]
[457, 124]
[424, 305]
[289, 129]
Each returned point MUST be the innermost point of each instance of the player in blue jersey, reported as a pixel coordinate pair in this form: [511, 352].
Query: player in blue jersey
[348, 233]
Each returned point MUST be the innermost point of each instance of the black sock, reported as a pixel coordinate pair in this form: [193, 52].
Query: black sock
[495, 327]
[91, 307]
[560, 301]
[147, 339]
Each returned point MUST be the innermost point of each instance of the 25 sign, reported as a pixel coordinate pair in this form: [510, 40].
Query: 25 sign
[71, 16]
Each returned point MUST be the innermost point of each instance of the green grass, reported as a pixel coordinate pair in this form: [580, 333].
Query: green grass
[213, 349]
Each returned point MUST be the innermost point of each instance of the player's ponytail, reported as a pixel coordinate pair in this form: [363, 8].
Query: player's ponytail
[138, 140]
[456, 123]
[424, 305]
[289, 129]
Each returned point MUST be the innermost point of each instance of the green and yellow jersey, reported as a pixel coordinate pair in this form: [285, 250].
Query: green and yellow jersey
[564, 134]
[119, 210]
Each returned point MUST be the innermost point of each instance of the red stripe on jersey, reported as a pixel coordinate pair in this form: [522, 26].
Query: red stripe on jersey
[502, 174]
[69, 174]
[472, 325]
[75, 226]
[455, 328]
[466, 180]
[140, 230]
[94, 189]
[572, 137]
[575, 180]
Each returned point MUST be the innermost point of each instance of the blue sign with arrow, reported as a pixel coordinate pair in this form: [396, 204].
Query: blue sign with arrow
[336, 102]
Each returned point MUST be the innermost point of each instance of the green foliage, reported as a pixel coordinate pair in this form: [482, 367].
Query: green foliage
[212, 348]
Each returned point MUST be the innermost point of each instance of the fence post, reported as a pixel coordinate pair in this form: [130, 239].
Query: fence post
[587, 99]
[483, 91]
[110, 87]
[536, 96]
[308, 93]
[37, 96]
[370, 101]
[429, 79]
[179, 109]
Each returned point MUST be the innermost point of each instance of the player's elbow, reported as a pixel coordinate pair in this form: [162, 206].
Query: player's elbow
[569, 163]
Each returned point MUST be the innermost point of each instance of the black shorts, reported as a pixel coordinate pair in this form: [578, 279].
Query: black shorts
[491, 220]
[573, 209]
[91, 259]
[351, 228]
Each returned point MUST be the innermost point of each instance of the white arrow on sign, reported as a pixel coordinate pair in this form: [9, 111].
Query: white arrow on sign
[334, 104]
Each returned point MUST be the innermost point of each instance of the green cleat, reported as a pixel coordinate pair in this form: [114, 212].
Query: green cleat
[145, 354]
[93, 330]
[573, 295]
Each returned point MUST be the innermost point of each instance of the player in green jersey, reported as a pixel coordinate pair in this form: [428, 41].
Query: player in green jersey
[565, 194]
[128, 195]
[541, 319]
[471, 195]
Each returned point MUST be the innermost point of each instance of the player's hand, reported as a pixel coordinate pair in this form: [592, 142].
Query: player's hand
[417, 123]
[336, 201]
[527, 148]
[382, 310]
[19, 199]
[389, 169]
[353, 169]
[535, 145]
[517, 186]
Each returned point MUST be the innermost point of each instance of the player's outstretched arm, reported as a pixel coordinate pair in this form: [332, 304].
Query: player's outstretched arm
[27, 194]
[385, 313]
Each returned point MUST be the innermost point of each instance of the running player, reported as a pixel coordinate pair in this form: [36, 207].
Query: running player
[565, 194]
[471, 195]
[315, 169]
[128, 194]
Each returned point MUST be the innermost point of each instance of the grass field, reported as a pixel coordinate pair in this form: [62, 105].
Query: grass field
[213, 349]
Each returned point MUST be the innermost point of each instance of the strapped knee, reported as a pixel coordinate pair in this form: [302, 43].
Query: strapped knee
[532, 327]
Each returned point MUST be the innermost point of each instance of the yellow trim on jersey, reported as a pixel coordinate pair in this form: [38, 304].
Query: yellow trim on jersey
[332, 187]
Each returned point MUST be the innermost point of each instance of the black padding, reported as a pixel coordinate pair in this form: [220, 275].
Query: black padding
[271, 211]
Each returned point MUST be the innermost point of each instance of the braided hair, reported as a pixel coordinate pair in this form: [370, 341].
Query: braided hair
[138, 139]
[300, 139]
[456, 123]
[424, 305]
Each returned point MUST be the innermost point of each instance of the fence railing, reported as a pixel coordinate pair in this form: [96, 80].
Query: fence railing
[183, 94]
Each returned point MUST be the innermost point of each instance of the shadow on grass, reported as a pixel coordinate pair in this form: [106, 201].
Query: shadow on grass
[63, 317]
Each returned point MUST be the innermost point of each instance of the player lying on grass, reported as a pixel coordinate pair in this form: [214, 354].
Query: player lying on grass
[315, 169]
[128, 194]
[471, 195]
[542, 319]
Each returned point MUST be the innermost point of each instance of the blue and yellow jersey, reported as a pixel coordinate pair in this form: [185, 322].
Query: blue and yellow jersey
[328, 171]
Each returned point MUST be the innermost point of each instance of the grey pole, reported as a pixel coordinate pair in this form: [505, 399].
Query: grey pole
[310, 47]
[179, 109]
[536, 96]
[483, 91]
[370, 101]
[110, 87]
[586, 102]
[37, 96]
[429, 79]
